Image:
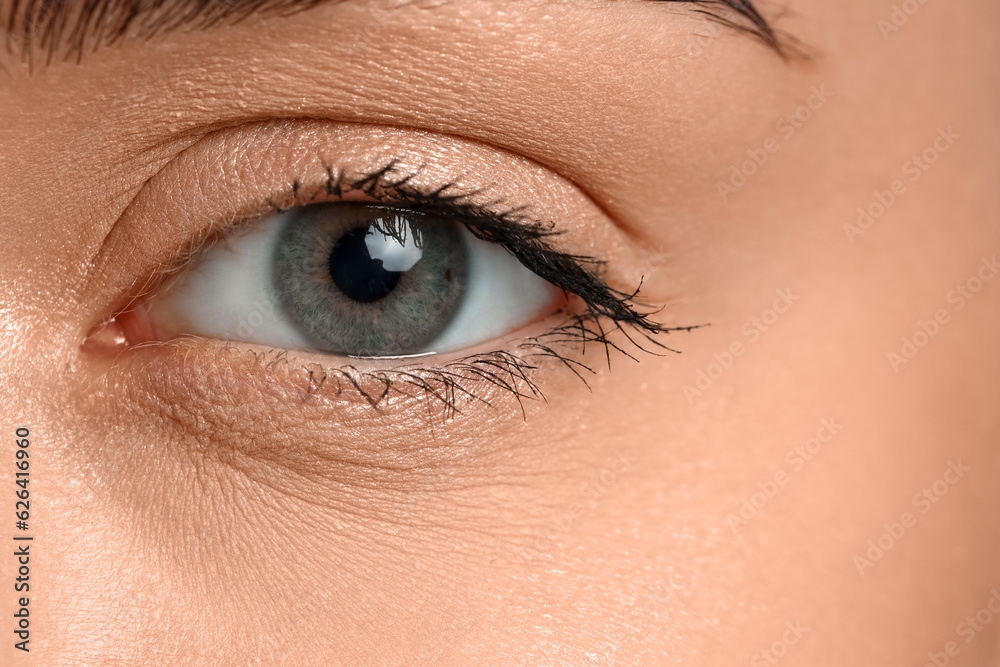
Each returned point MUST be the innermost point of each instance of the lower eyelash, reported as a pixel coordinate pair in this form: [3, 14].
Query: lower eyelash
[509, 371]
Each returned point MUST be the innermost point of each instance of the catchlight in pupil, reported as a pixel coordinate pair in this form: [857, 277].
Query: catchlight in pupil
[366, 264]
[369, 281]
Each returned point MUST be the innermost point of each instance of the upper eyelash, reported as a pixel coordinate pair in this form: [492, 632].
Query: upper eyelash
[511, 228]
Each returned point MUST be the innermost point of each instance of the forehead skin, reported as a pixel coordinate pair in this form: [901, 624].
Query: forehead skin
[772, 493]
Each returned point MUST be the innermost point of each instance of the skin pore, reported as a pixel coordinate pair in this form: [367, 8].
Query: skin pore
[811, 480]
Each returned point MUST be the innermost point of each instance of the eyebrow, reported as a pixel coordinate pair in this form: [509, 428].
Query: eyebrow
[68, 28]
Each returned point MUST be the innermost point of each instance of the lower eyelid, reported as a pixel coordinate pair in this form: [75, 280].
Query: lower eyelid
[216, 375]
[300, 412]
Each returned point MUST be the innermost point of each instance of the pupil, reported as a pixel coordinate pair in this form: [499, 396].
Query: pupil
[356, 273]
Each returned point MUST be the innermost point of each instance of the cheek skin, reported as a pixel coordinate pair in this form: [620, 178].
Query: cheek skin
[827, 358]
[320, 534]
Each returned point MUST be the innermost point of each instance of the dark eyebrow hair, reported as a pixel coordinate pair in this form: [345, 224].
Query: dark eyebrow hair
[68, 28]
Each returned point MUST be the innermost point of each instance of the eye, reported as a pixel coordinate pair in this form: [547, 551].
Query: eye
[353, 279]
[464, 267]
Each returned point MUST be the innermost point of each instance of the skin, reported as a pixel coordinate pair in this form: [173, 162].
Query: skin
[191, 507]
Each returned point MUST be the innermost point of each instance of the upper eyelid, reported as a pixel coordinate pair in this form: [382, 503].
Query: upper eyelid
[244, 173]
